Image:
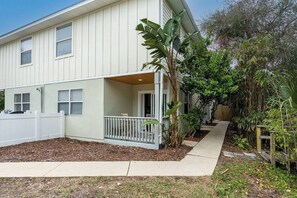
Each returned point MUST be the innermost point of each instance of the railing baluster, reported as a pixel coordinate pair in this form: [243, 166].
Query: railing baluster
[105, 127]
[132, 129]
[137, 130]
[121, 128]
[112, 132]
[129, 129]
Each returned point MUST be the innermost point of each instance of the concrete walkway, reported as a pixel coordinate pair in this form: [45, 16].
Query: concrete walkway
[200, 161]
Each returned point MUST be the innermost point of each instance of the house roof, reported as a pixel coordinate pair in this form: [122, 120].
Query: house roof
[82, 8]
[188, 19]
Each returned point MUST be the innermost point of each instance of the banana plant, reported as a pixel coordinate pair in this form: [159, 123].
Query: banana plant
[160, 42]
[289, 88]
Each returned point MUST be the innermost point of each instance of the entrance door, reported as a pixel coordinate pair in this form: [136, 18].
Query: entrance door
[147, 103]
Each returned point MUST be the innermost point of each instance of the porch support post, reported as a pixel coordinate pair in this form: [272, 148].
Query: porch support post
[158, 106]
[161, 105]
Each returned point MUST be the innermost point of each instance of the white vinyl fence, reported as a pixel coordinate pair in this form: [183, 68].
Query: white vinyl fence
[28, 127]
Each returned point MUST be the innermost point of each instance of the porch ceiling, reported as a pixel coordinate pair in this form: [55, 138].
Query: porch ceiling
[137, 79]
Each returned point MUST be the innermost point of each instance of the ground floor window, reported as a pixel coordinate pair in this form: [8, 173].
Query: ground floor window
[70, 101]
[22, 102]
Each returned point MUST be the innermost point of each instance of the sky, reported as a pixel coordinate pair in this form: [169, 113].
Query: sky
[17, 13]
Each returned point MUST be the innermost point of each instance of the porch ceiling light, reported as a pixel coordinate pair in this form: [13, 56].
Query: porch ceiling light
[140, 79]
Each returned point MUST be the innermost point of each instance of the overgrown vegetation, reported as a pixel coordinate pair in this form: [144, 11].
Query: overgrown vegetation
[253, 179]
[261, 35]
[241, 142]
[281, 117]
[207, 75]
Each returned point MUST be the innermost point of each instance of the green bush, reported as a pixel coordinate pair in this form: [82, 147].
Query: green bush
[241, 142]
[194, 120]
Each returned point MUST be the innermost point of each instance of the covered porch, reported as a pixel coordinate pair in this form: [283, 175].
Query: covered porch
[130, 103]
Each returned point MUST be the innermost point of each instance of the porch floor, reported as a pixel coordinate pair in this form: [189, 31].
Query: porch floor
[200, 161]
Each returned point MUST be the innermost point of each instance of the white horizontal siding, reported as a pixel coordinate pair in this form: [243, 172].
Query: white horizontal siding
[105, 43]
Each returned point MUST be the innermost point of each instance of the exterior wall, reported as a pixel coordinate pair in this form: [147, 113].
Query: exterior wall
[168, 14]
[118, 98]
[144, 87]
[105, 42]
[207, 109]
[35, 97]
[136, 89]
[90, 124]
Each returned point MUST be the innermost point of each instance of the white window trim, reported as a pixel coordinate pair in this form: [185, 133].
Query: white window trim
[70, 102]
[72, 42]
[20, 52]
[21, 103]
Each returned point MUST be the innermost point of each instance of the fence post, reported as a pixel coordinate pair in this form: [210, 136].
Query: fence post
[37, 125]
[259, 144]
[272, 148]
[62, 130]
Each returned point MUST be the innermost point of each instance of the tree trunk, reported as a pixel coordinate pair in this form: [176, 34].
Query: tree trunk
[174, 135]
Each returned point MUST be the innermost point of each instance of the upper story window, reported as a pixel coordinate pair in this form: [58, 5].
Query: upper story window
[26, 51]
[64, 40]
[22, 102]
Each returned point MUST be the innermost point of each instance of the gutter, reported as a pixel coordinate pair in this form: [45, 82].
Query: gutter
[189, 13]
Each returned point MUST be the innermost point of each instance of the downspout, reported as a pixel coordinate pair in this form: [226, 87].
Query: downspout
[161, 13]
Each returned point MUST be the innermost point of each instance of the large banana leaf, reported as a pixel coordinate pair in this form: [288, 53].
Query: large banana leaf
[289, 88]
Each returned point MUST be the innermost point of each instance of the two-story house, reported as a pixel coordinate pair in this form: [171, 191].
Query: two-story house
[86, 60]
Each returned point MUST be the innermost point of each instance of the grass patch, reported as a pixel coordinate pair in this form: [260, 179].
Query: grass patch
[252, 178]
[232, 178]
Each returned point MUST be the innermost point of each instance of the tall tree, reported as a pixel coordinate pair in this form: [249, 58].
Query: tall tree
[160, 42]
[208, 75]
[261, 35]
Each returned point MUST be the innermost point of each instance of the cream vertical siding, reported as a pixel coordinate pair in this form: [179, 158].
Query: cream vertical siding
[105, 43]
[167, 12]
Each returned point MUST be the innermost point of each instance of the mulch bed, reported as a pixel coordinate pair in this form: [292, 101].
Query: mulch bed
[199, 135]
[63, 149]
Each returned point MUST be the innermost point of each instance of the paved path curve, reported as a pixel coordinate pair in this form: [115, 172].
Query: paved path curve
[200, 161]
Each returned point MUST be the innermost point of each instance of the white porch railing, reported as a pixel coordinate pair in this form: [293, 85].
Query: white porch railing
[130, 129]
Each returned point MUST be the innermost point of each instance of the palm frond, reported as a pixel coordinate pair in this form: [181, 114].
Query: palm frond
[289, 88]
